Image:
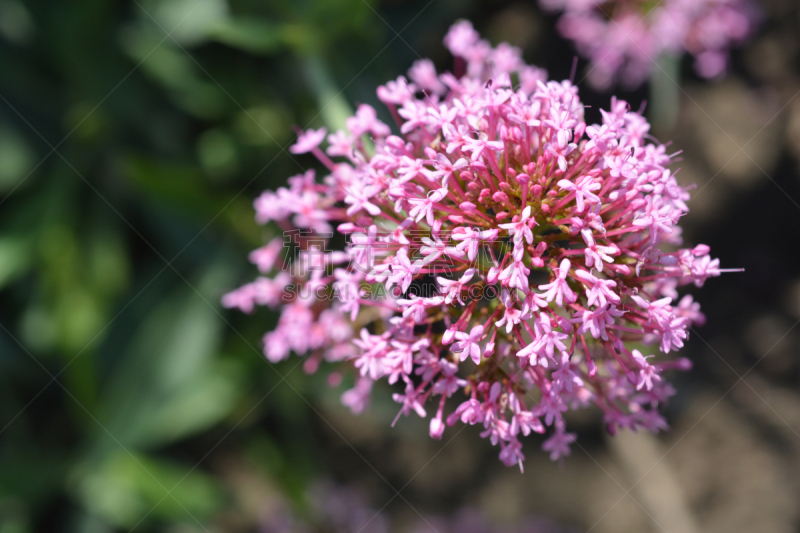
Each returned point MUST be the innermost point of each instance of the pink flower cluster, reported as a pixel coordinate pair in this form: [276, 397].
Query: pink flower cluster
[499, 249]
[624, 38]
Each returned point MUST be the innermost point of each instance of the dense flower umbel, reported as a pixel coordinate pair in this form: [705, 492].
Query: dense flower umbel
[500, 248]
[624, 38]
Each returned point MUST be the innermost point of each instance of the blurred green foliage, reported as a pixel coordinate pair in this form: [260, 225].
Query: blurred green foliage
[133, 137]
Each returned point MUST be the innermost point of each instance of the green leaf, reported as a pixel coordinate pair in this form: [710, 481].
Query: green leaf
[170, 66]
[16, 159]
[16, 256]
[181, 186]
[170, 369]
[189, 21]
[253, 35]
[333, 106]
[125, 487]
[203, 402]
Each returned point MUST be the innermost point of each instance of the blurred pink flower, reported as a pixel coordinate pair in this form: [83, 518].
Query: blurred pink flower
[623, 39]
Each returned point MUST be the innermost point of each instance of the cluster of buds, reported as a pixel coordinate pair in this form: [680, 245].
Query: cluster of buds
[624, 38]
[499, 249]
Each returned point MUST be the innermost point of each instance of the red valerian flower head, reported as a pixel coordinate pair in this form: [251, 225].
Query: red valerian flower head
[500, 249]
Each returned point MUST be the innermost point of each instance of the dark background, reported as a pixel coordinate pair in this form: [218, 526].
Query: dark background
[133, 138]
